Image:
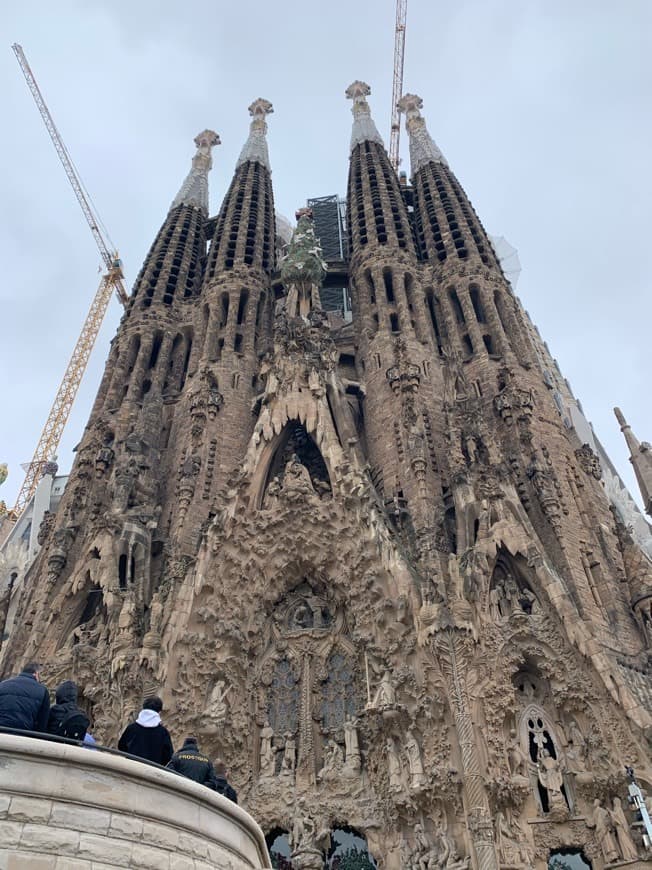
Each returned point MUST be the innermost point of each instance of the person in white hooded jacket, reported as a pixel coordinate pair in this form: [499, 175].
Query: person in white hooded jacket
[146, 737]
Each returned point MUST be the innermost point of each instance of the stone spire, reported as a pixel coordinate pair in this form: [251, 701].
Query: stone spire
[364, 129]
[255, 148]
[194, 190]
[640, 457]
[423, 148]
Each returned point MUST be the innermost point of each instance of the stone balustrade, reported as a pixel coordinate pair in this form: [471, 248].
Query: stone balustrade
[71, 807]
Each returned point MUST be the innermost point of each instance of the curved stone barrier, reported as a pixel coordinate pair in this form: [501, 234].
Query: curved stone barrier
[71, 807]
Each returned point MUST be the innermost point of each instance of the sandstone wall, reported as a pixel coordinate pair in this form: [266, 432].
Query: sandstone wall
[69, 807]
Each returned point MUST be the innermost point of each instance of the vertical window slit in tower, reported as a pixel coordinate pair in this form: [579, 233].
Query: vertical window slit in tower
[225, 309]
[156, 349]
[430, 298]
[237, 342]
[259, 317]
[389, 286]
[455, 302]
[474, 292]
[393, 322]
[186, 361]
[498, 302]
[468, 346]
[488, 343]
[242, 306]
[122, 571]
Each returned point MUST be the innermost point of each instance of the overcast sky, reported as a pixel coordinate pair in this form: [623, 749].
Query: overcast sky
[542, 108]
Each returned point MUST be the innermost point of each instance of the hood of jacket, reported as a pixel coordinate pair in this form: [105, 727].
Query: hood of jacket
[66, 693]
[148, 718]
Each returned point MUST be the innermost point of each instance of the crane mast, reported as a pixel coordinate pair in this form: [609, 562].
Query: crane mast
[397, 82]
[112, 280]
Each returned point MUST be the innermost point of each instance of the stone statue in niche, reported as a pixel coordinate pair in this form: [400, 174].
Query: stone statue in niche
[518, 763]
[352, 747]
[216, 708]
[605, 832]
[333, 762]
[385, 696]
[308, 613]
[576, 747]
[393, 767]
[296, 478]
[622, 830]
[551, 778]
[267, 751]
[288, 764]
[413, 751]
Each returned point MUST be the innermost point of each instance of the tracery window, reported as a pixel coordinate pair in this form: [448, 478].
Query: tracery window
[338, 692]
[284, 699]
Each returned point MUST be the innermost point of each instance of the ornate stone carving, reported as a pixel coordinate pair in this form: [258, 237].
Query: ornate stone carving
[589, 461]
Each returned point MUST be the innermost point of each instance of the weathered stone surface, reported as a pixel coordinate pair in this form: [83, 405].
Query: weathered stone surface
[371, 565]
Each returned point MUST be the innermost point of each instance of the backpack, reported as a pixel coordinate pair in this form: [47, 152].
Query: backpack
[74, 725]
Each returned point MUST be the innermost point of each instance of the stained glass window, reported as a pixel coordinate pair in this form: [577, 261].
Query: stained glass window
[284, 699]
[338, 693]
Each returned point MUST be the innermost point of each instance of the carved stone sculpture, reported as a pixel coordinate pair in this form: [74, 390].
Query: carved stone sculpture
[413, 751]
[551, 778]
[267, 753]
[352, 748]
[605, 832]
[385, 694]
[621, 826]
[393, 767]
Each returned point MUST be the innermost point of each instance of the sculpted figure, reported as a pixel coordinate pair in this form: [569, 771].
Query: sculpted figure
[393, 767]
[551, 778]
[267, 753]
[296, 478]
[351, 745]
[605, 832]
[289, 754]
[385, 695]
[511, 850]
[305, 841]
[425, 855]
[333, 761]
[495, 597]
[417, 774]
[621, 827]
[515, 756]
[216, 707]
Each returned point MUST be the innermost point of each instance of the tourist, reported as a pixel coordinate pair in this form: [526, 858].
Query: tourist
[222, 785]
[24, 701]
[146, 737]
[193, 764]
[66, 718]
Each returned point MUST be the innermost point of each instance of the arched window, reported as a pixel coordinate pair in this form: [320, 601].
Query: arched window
[280, 850]
[568, 859]
[283, 704]
[348, 850]
[338, 692]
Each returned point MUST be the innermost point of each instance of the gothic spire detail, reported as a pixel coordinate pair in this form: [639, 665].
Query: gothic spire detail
[423, 148]
[364, 129]
[255, 148]
[194, 190]
[641, 459]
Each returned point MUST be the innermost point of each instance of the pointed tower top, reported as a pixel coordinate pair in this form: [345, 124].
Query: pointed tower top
[194, 190]
[255, 148]
[641, 459]
[422, 146]
[364, 129]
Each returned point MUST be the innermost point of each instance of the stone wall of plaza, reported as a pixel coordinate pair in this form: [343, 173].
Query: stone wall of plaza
[69, 807]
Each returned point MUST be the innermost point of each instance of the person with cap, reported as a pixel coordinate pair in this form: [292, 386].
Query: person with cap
[66, 718]
[193, 764]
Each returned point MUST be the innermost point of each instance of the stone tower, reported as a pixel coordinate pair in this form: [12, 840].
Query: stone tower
[370, 564]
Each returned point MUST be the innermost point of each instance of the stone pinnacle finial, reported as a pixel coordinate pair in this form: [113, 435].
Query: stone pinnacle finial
[423, 149]
[255, 148]
[364, 129]
[194, 190]
[641, 459]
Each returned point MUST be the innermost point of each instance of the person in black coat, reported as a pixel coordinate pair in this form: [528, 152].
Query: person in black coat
[146, 737]
[222, 786]
[66, 718]
[193, 764]
[24, 701]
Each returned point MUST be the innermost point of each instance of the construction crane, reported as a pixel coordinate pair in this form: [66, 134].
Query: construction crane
[397, 84]
[112, 281]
